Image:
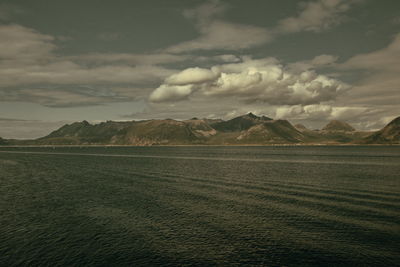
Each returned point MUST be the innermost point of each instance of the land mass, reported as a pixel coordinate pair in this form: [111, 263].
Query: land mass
[248, 129]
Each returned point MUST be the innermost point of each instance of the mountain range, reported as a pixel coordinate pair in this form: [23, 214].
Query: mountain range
[248, 129]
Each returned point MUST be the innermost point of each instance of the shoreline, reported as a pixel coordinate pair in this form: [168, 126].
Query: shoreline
[197, 145]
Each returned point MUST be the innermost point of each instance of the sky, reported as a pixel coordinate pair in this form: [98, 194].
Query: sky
[306, 61]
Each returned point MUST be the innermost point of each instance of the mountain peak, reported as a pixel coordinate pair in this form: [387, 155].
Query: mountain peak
[338, 126]
[251, 115]
[240, 123]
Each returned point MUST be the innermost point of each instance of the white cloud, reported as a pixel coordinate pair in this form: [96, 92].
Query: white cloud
[321, 112]
[192, 76]
[261, 80]
[170, 93]
[240, 83]
[347, 113]
[318, 111]
[314, 112]
[288, 112]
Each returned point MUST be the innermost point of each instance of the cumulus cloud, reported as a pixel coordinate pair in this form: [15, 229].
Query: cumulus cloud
[316, 16]
[320, 112]
[314, 111]
[347, 113]
[31, 70]
[192, 76]
[285, 112]
[251, 80]
[171, 92]
[236, 83]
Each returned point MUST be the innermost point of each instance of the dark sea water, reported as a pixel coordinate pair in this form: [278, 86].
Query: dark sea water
[200, 206]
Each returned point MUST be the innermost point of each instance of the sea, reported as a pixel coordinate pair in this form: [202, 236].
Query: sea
[200, 206]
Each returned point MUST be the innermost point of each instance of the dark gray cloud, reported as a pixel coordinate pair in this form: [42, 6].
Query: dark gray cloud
[216, 33]
[8, 11]
[316, 16]
[380, 83]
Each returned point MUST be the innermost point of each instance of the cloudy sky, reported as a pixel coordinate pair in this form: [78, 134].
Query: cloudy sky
[306, 61]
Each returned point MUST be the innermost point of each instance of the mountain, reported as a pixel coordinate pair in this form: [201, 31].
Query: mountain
[241, 123]
[338, 126]
[161, 132]
[390, 134]
[84, 133]
[148, 132]
[340, 132]
[248, 129]
[272, 131]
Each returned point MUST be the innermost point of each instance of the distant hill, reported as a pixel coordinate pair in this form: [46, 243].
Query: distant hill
[390, 134]
[3, 141]
[247, 129]
[300, 127]
[84, 133]
[272, 131]
[339, 132]
[338, 126]
[157, 132]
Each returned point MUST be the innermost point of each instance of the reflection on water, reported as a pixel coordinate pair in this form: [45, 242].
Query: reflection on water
[200, 206]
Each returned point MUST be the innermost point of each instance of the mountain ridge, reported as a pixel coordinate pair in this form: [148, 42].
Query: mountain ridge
[247, 129]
